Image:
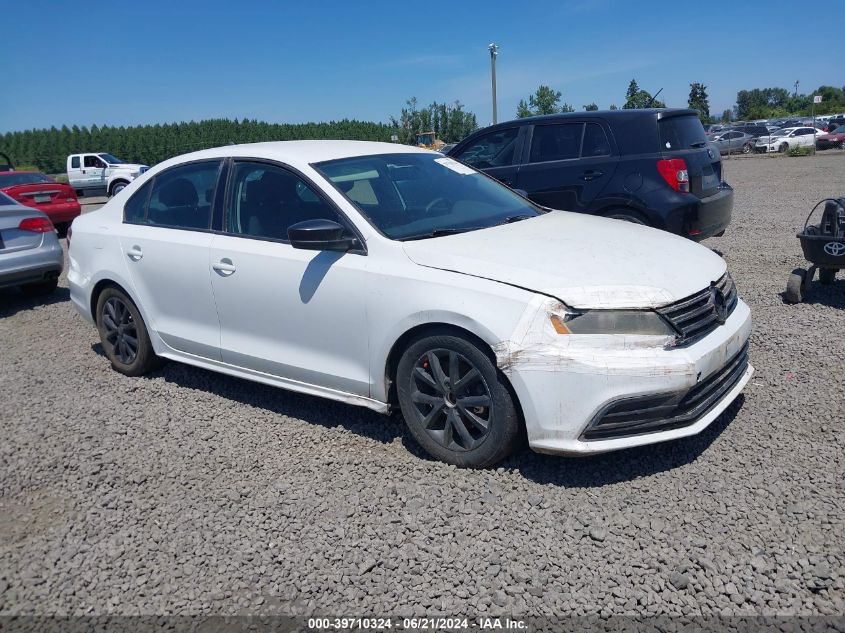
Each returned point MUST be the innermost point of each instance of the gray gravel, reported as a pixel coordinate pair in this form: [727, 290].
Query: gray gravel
[191, 492]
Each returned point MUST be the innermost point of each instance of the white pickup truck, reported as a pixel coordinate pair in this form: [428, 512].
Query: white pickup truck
[86, 172]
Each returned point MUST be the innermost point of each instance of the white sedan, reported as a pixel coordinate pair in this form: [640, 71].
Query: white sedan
[786, 139]
[389, 276]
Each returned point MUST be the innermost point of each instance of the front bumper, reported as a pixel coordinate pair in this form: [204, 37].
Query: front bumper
[563, 395]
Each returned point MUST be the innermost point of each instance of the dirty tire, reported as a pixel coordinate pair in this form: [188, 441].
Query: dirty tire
[795, 286]
[41, 288]
[455, 402]
[118, 319]
[827, 275]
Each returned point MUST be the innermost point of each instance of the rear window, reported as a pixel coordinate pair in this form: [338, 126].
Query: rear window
[681, 132]
[11, 178]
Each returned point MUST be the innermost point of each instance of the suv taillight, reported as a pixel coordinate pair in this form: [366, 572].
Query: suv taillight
[36, 225]
[674, 172]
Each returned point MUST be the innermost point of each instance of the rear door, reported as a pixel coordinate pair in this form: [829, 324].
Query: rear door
[569, 164]
[495, 153]
[74, 172]
[166, 236]
[682, 136]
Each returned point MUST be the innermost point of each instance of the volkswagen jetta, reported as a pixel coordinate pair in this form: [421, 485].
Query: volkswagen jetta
[389, 276]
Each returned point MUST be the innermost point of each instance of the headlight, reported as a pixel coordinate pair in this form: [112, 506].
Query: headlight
[630, 322]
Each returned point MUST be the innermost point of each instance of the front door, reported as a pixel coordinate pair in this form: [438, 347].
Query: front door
[496, 153]
[166, 240]
[296, 314]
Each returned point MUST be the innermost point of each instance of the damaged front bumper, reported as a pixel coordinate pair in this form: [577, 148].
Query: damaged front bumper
[594, 393]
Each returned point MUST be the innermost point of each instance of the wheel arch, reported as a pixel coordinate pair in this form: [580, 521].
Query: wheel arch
[424, 329]
[117, 181]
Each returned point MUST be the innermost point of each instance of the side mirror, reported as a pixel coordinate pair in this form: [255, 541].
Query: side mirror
[320, 235]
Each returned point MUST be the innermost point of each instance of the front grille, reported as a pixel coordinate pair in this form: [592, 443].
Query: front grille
[664, 412]
[696, 316]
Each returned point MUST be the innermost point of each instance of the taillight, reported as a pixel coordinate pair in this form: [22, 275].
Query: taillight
[36, 225]
[674, 172]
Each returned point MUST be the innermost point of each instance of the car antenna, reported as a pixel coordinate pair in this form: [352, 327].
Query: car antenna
[650, 101]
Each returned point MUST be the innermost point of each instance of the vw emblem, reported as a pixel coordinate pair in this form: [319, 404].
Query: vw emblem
[710, 153]
[837, 249]
[720, 306]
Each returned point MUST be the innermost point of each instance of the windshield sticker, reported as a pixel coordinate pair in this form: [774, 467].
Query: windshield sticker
[455, 166]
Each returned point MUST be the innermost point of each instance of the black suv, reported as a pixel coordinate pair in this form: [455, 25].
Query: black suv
[649, 166]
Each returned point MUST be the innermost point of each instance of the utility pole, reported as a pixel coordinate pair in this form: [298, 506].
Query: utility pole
[494, 51]
[796, 88]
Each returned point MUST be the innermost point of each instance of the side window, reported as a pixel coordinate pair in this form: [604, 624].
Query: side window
[495, 149]
[74, 162]
[265, 200]
[182, 196]
[135, 210]
[595, 141]
[93, 161]
[556, 142]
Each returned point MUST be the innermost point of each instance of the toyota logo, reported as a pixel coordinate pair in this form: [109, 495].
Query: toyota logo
[720, 306]
[837, 249]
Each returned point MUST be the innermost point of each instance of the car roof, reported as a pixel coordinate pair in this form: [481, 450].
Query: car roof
[300, 152]
[610, 115]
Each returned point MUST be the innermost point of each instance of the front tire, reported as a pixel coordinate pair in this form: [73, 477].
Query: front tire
[117, 187]
[783, 147]
[747, 148]
[455, 402]
[123, 334]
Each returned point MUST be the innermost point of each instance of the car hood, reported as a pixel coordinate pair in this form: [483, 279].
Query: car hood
[584, 261]
[128, 166]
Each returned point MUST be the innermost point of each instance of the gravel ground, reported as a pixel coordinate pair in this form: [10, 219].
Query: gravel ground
[191, 492]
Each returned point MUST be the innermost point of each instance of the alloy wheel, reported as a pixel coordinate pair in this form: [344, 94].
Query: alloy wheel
[121, 331]
[451, 400]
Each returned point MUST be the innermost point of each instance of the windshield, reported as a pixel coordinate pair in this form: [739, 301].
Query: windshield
[416, 195]
[783, 132]
[111, 160]
[11, 178]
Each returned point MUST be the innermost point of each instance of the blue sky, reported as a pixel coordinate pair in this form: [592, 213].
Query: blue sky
[132, 62]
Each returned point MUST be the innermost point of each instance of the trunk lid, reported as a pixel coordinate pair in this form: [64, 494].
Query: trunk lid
[682, 136]
[12, 239]
[41, 194]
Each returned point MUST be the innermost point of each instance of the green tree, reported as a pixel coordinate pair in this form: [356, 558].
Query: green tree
[591, 107]
[636, 98]
[543, 101]
[726, 116]
[698, 101]
[613, 106]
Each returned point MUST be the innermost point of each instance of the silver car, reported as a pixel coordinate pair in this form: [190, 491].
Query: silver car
[30, 254]
[733, 142]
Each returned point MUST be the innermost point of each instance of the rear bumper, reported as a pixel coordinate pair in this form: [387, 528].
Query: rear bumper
[700, 218]
[32, 265]
[61, 213]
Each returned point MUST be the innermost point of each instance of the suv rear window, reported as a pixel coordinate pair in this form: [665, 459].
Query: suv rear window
[681, 132]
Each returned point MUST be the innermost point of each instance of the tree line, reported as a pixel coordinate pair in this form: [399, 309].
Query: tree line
[47, 149]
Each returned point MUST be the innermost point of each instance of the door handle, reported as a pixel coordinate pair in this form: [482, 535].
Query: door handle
[590, 174]
[224, 267]
[135, 253]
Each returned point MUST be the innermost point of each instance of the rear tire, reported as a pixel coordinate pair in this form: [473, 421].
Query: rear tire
[123, 334]
[628, 216]
[455, 403]
[41, 288]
